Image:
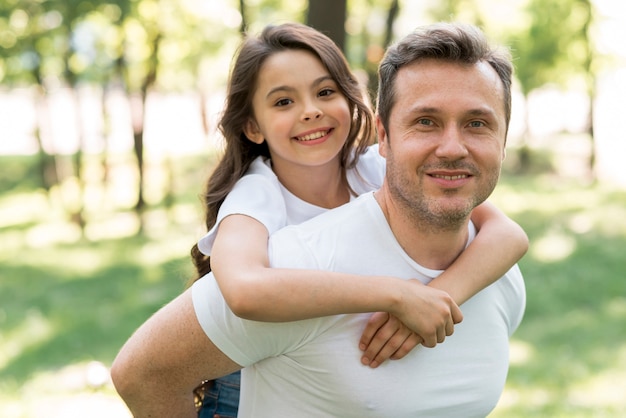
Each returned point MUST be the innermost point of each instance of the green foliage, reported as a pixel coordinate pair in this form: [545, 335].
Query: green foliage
[79, 41]
[554, 46]
[18, 173]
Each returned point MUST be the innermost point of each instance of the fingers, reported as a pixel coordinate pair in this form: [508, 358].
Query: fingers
[457, 315]
[389, 338]
[376, 321]
[409, 344]
[437, 332]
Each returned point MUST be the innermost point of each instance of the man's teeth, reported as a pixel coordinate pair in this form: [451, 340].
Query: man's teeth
[460, 176]
[313, 136]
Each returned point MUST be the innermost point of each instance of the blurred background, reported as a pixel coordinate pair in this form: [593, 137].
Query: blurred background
[108, 115]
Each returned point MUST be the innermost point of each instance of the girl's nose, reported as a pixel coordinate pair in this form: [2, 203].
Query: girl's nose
[311, 113]
[310, 116]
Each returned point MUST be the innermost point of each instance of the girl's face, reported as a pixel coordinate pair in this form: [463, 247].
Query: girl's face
[300, 112]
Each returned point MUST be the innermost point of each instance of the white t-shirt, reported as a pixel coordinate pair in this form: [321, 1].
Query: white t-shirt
[312, 367]
[261, 196]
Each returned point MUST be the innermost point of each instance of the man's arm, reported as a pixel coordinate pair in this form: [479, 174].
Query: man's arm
[161, 364]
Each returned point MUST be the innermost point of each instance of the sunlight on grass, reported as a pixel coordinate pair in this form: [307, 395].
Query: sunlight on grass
[77, 390]
[520, 352]
[605, 389]
[23, 208]
[553, 246]
[114, 226]
[34, 329]
[48, 234]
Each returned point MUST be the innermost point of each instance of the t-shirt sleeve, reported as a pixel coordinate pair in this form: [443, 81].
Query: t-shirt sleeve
[254, 195]
[514, 292]
[369, 172]
[244, 341]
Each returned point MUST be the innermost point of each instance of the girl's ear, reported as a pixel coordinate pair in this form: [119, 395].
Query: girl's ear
[251, 129]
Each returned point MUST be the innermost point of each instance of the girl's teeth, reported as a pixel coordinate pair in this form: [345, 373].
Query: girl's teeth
[311, 136]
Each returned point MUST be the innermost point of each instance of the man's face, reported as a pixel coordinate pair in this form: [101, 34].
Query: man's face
[446, 137]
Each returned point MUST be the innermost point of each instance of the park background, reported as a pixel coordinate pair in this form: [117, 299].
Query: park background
[108, 115]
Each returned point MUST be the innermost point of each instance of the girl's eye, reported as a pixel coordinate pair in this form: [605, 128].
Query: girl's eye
[283, 102]
[326, 92]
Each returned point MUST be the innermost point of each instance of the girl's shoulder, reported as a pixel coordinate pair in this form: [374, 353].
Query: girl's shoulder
[257, 195]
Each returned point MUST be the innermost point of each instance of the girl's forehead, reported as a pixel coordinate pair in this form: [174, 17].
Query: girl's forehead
[291, 65]
[290, 70]
[292, 57]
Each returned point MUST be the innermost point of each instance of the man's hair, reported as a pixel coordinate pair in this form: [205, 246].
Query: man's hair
[452, 42]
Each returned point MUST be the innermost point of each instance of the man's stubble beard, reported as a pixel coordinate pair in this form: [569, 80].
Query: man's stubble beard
[433, 214]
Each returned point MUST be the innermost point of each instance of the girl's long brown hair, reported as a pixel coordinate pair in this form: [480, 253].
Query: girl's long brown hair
[239, 151]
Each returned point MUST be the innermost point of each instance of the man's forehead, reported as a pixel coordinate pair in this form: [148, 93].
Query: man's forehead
[445, 77]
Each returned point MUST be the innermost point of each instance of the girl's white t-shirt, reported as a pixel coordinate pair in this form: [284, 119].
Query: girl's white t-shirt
[261, 196]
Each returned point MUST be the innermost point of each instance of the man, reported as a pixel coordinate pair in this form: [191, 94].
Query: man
[443, 110]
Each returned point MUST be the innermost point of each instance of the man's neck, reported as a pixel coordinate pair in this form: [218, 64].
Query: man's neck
[431, 246]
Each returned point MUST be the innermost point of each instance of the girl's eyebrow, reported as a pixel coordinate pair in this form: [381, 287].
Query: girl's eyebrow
[286, 88]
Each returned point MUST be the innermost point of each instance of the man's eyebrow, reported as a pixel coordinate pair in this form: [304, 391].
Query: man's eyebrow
[425, 109]
[481, 112]
[286, 88]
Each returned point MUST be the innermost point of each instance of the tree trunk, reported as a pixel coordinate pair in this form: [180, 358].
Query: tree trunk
[590, 80]
[48, 170]
[243, 28]
[139, 116]
[523, 155]
[78, 208]
[394, 8]
[329, 17]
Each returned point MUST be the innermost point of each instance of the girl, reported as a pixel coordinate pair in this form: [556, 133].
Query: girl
[298, 142]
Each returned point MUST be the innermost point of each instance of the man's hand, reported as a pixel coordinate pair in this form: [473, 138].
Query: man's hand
[385, 337]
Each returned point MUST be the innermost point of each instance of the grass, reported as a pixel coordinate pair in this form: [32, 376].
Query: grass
[569, 355]
[67, 303]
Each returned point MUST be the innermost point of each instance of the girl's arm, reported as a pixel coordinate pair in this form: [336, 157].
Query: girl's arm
[253, 290]
[499, 244]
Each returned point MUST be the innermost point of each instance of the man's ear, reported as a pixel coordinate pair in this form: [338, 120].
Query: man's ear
[252, 131]
[383, 140]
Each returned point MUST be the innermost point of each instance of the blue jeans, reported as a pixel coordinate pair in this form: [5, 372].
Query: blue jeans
[221, 400]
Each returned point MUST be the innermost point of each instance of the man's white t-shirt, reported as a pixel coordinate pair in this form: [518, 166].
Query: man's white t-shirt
[312, 367]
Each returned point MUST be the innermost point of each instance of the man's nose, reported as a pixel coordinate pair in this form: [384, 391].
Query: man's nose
[452, 144]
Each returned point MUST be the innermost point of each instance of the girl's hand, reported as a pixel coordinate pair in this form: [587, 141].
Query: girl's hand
[426, 316]
[385, 337]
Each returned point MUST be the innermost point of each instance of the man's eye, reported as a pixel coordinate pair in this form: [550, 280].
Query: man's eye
[476, 124]
[425, 122]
